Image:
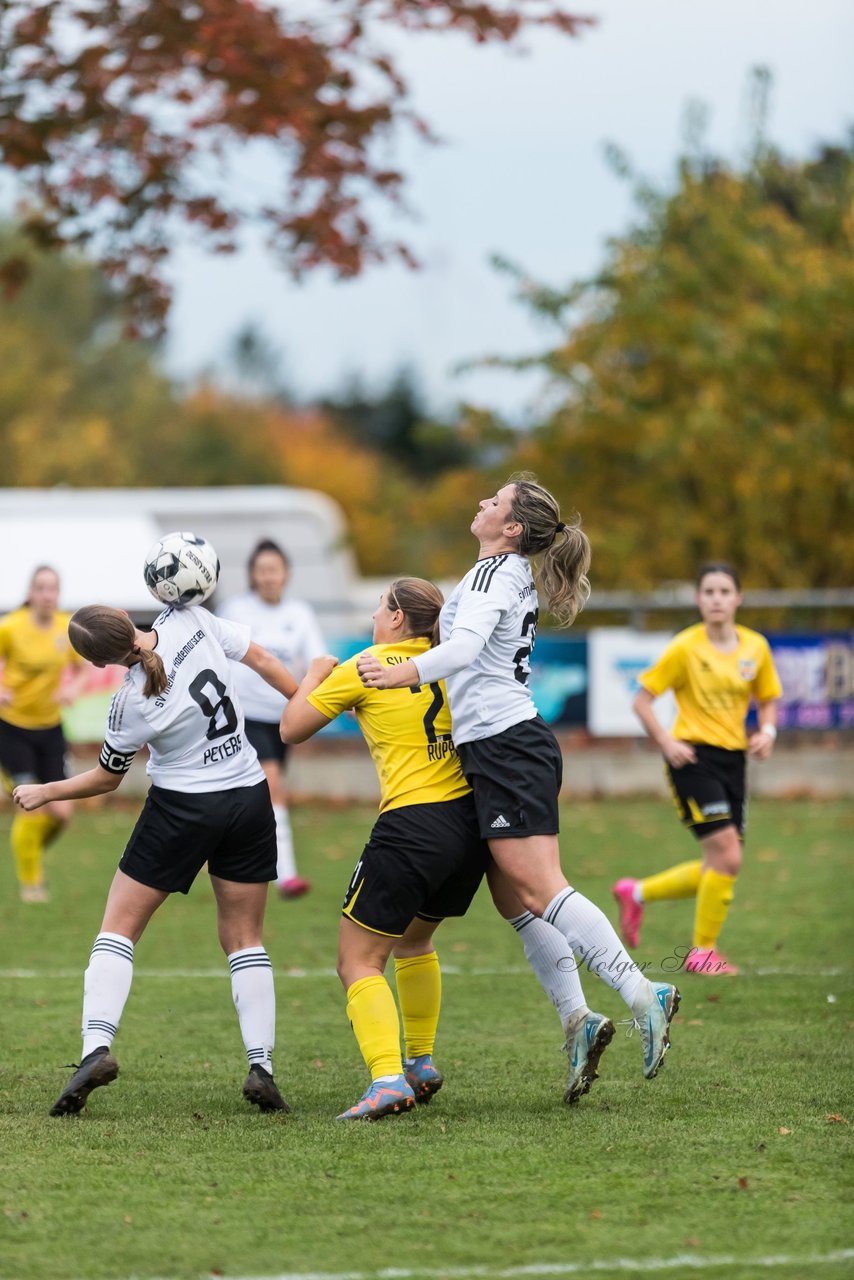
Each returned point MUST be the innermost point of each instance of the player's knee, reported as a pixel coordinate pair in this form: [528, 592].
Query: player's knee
[723, 851]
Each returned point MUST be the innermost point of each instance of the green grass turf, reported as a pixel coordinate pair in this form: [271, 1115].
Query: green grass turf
[170, 1173]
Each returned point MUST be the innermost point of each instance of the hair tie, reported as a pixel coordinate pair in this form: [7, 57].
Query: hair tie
[560, 526]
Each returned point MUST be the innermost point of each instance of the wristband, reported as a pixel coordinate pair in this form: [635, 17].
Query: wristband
[770, 730]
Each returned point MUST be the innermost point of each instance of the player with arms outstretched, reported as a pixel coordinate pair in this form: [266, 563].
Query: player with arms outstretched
[208, 803]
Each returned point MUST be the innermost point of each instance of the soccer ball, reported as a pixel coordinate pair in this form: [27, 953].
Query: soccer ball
[181, 569]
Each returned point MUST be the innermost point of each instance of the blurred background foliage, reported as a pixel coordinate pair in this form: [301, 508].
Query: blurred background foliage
[698, 402]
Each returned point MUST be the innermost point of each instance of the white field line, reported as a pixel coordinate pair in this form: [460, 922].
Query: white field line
[448, 970]
[637, 1266]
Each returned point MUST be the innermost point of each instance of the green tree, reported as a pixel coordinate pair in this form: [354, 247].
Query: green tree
[80, 405]
[704, 381]
[397, 423]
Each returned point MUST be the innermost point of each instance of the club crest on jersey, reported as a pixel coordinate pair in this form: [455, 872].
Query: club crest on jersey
[747, 669]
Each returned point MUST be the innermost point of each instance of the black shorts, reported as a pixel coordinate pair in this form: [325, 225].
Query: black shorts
[516, 777]
[422, 860]
[264, 737]
[710, 794]
[31, 755]
[234, 832]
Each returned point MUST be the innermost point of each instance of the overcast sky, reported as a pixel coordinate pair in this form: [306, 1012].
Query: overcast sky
[522, 173]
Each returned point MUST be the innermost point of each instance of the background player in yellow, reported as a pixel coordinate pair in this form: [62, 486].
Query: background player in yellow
[424, 859]
[715, 670]
[35, 652]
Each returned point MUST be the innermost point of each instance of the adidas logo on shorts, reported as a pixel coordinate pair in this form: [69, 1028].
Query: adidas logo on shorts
[499, 822]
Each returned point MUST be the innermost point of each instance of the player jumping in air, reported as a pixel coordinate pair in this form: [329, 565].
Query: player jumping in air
[508, 753]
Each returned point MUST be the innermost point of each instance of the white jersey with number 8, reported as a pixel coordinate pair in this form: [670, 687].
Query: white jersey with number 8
[497, 600]
[194, 729]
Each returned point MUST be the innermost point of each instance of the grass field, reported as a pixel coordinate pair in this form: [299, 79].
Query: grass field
[731, 1163]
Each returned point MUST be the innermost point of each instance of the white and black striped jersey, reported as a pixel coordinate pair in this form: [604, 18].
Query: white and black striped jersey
[194, 729]
[289, 630]
[496, 600]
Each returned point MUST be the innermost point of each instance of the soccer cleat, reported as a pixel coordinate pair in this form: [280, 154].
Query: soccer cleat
[653, 1024]
[97, 1068]
[34, 893]
[383, 1098]
[586, 1041]
[423, 1078]
[260, 1087]
[631, 912]
[294, 888]
[709, 962]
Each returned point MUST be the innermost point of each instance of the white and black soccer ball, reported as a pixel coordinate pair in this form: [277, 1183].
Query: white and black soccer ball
[181, 569]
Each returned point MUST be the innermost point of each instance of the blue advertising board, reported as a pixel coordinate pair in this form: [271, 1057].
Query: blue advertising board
[817, 675]
[558, 679]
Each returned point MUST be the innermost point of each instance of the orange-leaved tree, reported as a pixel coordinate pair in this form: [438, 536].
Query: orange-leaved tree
[124, 119]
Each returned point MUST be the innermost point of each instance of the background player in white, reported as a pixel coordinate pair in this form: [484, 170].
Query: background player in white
[508, 753]
[289, 630]
[208, 802]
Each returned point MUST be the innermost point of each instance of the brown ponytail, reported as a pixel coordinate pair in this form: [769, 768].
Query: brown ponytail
[565, 547]
[103, 636]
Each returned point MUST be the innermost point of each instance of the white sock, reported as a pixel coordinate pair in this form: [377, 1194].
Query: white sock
[554, 964]
[255, 1001]
[637, 892]
[286, 867]
[106, 986]
[589, 933]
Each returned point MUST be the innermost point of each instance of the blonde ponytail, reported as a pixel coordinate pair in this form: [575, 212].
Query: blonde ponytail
[565, 548]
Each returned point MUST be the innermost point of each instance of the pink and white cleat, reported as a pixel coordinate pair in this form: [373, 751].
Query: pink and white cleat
[710, 963]
[294, 888]
[631, 912]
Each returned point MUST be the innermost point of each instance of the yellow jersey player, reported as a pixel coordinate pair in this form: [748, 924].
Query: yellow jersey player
[424, 860]
[35, 652]
[715, 670]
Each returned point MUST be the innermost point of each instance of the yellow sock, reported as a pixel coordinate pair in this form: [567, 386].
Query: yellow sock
[713, 898]
[680, 881]
[28, 836]
[52, 828]
[419, 993]
[376, 1026]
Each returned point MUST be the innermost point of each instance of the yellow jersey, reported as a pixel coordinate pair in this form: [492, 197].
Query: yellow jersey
[35, 658]
[408, 731]
[713, 689]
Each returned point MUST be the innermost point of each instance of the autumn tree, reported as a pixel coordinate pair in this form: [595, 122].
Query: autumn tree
[81, 405]
[124, 119]
[704, 379]
[396, 422]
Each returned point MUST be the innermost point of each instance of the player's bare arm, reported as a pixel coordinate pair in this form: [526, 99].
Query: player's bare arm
[300, 720]
[95, 782]
[675, 752]
[761, 742]
[262, 662]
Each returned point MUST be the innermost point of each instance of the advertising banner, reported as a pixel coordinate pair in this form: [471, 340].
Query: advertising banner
[616, 656]
[817, 675]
